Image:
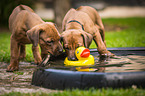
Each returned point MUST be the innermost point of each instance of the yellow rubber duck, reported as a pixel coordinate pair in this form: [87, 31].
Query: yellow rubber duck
[83, 56]
[86, 69]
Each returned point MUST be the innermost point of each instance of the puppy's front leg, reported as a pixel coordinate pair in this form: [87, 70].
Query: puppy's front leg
[14, 62]
[100, 44]
[36, 54]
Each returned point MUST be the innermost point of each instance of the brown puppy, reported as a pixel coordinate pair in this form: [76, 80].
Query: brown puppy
[80, 26]
[27, 27]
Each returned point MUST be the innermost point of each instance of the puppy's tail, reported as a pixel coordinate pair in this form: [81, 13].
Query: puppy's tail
[24, 7]
[21, 7]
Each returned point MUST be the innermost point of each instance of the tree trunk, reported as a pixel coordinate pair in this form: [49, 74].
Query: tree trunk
[60, 8]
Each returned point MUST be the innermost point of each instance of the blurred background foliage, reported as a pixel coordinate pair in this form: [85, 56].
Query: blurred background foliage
[6, 7]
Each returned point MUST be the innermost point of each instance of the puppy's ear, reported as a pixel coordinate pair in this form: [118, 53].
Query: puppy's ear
[33, 35]
[87, 39]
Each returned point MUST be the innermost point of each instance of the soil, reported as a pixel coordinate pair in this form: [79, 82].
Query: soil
[19, 81]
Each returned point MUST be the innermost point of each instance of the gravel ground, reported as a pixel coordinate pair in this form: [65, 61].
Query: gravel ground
[19, 81]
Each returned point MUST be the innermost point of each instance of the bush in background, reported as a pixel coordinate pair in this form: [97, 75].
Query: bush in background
[7, 6]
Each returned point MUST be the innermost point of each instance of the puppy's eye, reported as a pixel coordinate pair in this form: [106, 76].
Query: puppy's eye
[67, 48]
[48, 41]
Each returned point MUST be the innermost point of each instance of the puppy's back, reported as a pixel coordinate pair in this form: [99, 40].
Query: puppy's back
[92, 13]
[16, 11]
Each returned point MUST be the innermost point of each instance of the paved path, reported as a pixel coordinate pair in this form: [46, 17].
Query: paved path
[19, 81]
[108, 12]
[122, 12]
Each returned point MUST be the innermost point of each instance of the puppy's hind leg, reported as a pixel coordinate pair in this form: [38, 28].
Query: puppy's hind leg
[100, 44]
[22, 52]
[102, 33]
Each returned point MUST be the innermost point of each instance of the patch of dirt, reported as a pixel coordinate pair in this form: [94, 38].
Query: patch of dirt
[116, 28]
[19, 81]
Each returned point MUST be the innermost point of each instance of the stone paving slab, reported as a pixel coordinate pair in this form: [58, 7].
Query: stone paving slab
[19, 81]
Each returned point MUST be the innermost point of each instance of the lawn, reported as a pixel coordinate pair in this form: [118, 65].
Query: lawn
[90, 92]
[121, 32]
[124, 32]
[5, 48]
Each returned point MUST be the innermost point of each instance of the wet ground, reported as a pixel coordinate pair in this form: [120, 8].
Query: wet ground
[19, 81]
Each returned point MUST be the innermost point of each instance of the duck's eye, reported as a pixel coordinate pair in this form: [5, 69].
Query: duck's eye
[77, 52]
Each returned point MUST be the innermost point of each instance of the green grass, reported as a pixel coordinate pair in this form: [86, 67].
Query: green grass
[132, 35]
[90, 92]
[19, 73]
[5, 48]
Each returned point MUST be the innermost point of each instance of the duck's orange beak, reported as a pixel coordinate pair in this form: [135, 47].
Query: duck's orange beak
[85, 53]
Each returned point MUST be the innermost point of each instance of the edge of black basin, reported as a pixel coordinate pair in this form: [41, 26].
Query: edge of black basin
[123, 51]
[65, 79]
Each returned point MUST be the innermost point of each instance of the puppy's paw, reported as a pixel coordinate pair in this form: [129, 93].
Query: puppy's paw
[37, 62]
[12, 68]
[107, 54]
